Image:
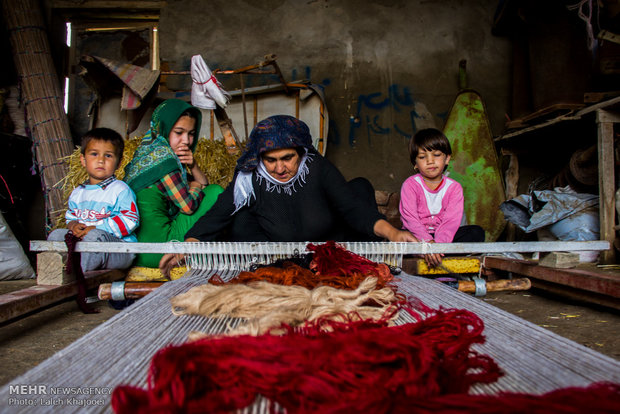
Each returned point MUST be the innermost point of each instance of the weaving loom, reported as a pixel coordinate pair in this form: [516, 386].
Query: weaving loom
[119, 351]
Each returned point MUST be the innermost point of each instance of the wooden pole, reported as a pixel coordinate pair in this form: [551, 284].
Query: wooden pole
[131, 290]
[43, 98]
[607, 208]
[469, 286]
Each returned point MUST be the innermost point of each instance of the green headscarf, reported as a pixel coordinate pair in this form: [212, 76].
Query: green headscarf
[154, 158]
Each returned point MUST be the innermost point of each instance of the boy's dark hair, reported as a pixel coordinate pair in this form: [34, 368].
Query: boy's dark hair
[429, 139]
[104, 134]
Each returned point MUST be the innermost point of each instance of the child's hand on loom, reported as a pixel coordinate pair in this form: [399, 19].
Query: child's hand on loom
[433, 259]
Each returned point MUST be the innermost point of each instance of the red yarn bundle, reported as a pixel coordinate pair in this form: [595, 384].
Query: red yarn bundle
[332, 259]
[357, 367]
[332, 265]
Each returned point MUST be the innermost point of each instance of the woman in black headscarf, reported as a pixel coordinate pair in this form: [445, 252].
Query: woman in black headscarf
[284, 190]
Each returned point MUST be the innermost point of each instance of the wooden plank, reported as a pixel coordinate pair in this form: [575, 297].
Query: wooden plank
[109, 4]
[537, 127]
[551, 111]
[604, 284]
[606, 168]
[21, 302]
[602, 105]
[560, 260]
[576, 116]
[251, 248]
[611, 36]
[596, 97]
[576, 294]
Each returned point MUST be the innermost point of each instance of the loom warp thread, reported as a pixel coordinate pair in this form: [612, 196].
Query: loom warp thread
[267, 306]
[355, 366]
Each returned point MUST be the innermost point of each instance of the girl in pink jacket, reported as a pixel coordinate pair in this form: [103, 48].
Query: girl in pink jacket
[431, 204]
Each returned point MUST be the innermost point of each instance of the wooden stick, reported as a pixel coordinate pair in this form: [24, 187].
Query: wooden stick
[469, 286]
[227, 129]
[399, 248]
[131, 290]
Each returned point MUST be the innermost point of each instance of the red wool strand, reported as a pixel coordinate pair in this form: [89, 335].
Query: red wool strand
[359, 366]
[332, 265]
[291, 274]
[332, 259]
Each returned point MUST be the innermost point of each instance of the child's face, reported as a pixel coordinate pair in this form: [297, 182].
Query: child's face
[431, 163]
[182, 135]
[100, 160]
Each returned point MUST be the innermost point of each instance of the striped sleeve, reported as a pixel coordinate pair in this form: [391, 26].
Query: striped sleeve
[124, 218]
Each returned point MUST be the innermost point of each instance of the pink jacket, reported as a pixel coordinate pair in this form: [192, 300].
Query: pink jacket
[424, 211]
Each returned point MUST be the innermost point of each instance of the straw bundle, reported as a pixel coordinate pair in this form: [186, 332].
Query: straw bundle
[43, 98]
[212, 158]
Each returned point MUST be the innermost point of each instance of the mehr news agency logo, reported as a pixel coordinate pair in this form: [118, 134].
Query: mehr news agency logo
[44, 395]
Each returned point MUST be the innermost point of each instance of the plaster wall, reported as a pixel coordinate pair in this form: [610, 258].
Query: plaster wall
[388, 67]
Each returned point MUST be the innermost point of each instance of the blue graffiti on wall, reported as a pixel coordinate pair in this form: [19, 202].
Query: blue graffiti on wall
[398, 99]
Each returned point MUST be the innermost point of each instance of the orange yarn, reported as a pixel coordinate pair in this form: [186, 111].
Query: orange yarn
[292, 274]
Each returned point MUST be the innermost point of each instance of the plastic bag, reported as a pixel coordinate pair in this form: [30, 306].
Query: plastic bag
[14, 263]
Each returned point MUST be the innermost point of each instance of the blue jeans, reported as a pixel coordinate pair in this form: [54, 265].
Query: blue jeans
[98, 260]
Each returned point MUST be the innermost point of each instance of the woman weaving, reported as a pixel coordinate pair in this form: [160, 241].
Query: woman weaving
[169, 199]
[284, 190]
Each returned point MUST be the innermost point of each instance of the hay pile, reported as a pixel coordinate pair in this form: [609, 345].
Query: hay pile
[211, 155]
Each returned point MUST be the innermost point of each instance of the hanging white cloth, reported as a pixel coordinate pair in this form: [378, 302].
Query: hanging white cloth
[206, 90]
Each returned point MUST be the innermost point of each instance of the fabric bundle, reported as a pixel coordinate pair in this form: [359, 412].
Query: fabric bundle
[354, 366]
[206, 90]
[267, 306]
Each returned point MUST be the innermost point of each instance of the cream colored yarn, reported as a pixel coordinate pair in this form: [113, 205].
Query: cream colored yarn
[266, 305]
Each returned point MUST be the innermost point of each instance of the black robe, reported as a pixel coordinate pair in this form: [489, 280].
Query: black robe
[324, 207]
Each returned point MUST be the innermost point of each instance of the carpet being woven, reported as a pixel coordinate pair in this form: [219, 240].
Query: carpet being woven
[82, 376]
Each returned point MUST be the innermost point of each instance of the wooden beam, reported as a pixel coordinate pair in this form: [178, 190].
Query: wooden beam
[109, 4]
[600, 283]
[21, 302]
[576, 294]
[253, 248]
[606, 167]
[572, 117]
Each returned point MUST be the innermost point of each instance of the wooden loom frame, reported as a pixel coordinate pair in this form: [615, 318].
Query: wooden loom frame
[535, 360]
[236, 255]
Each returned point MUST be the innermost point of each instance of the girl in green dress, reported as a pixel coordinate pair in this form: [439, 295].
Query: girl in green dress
[171, 191]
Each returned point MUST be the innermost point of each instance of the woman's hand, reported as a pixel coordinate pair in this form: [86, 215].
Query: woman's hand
[169, 261]
[387, 231]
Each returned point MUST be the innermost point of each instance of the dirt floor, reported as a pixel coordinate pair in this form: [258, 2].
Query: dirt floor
[26, 342]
